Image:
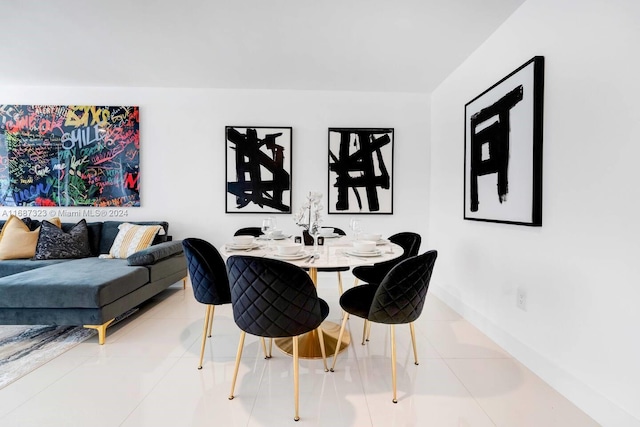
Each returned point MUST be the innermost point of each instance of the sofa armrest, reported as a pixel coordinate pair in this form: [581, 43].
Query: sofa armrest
[155, 253]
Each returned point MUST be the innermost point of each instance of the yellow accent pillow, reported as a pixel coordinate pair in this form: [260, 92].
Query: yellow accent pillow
[132, 238]
[17, 241]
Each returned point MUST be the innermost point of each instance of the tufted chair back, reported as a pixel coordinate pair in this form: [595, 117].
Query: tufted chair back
[409, 241]
[207, 272]
[271, 298]
[402, 293]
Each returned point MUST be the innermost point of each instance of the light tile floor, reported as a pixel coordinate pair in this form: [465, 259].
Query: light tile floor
[146, 375]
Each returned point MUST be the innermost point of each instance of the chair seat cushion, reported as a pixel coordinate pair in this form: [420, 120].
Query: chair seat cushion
[357, 300]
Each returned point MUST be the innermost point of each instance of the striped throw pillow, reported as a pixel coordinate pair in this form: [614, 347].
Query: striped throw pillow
[132, 238]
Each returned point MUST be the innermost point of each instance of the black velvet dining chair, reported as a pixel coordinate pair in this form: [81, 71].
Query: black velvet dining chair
[249, 231]
[209, 280]
[373, 274]
[274, 299]
[399, 299]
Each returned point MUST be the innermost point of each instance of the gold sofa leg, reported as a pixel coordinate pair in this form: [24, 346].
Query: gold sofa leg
[184, 282]
[102, 330]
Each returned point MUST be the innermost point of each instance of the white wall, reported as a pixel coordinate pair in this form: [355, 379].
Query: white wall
[581, 269]
[183, 149]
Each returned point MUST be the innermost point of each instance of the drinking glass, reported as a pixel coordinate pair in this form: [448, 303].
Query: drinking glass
[356, 227]
[268, 225]
[314, 231]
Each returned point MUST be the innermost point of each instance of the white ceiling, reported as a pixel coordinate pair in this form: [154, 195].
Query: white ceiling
[361, 45]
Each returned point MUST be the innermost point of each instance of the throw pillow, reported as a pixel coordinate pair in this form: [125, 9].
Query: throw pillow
[17, 241]
[132, 238]
[54, 243]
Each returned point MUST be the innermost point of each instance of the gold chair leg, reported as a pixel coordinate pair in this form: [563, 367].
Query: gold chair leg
[213, 308]
[296, 389]
[322, 351]
[364, 330]
[368, 330]
[102, 330]
[267, 355]
[413, 341]
[393, 362]
[238, 356]
[184, 283]
[340, 283]
[335, 355]
[207, 316]
[355, 282]
[270, 347]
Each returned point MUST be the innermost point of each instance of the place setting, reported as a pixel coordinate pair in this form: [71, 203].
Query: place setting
[242, 243]
[374, 237]
[328, 233]
[363, 249]
[292, 252]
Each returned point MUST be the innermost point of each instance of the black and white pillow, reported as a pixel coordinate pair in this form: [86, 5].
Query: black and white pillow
[54, 243]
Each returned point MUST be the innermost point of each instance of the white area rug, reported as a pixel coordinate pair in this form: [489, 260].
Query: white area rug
[25, 348]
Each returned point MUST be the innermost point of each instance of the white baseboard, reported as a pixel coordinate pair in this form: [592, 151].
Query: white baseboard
[580, 394]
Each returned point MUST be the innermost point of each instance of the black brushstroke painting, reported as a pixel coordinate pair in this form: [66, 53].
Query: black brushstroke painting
[360, 161]
[260, 160]
[494, 137]
[503, 149]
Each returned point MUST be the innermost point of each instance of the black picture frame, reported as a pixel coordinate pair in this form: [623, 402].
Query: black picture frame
[258, 169]
[503, 149]
[360, 159]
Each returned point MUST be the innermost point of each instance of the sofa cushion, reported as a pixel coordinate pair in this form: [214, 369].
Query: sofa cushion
[26, 220]
[78, 283]
[55, 243]
[110, 231]
[155, 253]
[132, 238]
[17, 240]
[94, 229]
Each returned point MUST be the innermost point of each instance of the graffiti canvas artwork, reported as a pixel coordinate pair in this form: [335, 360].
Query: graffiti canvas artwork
[258, 169]
[57, 155]
[360, 170]
[503, 149]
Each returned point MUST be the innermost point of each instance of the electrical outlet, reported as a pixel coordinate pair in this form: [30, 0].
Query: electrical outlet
[521, 301]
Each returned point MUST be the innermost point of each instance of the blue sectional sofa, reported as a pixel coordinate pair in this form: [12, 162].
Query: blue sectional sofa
[90, 291]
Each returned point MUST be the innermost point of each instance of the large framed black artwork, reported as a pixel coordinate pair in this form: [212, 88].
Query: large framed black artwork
[258, 169]
[360, 171]
[503, 149]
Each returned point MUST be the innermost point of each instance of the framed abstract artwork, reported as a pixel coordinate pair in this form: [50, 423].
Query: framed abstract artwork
[360, 171]
[503, 149]
[258, 169]
[69, 155]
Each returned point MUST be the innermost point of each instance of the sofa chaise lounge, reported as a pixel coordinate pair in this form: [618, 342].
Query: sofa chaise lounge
[89, 291]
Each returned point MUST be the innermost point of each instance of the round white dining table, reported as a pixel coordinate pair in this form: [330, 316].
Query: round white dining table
[336, 252]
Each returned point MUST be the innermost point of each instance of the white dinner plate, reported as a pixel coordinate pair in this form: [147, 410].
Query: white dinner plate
[354, 252]
[280, 237]
[238, 247]
[299, 255]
